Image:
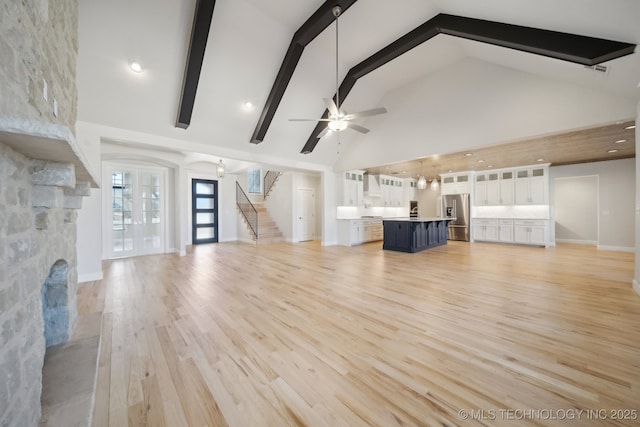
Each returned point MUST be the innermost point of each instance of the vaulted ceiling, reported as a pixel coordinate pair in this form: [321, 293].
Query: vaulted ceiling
[447, 95]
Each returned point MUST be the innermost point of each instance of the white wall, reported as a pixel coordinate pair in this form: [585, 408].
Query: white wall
[89, 241]
[576, 209]
[428, 202]
[636, 280]
[472, 103]
[617, 189]
[328, 196]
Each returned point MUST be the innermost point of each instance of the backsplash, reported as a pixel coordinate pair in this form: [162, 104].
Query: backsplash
[350, 212]
[512, 211]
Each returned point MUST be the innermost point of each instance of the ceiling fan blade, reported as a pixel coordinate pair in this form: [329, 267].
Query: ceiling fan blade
[331, 106]
[324, 132]
[366, 113]
[309, 120]
[358, 128]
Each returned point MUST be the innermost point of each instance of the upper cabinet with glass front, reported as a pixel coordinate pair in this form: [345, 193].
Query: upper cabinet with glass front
[352, 184]
[532, 185]
[527, 185]
[456, 183]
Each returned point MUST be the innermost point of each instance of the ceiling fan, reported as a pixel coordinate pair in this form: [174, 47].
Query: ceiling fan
[339, 119]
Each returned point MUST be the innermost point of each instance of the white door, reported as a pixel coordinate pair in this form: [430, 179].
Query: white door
[306, 217]
[136, 206]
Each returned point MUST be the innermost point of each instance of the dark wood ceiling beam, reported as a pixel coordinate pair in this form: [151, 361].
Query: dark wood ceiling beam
[564, 46]
[199, 34]
[321, 19]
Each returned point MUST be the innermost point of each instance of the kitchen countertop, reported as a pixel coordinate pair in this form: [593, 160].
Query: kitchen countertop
[421, 219]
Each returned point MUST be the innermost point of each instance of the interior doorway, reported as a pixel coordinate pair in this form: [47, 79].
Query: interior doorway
[576, 210]
[306, 214]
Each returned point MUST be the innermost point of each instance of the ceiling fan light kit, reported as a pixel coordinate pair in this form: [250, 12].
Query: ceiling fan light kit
[338, 119]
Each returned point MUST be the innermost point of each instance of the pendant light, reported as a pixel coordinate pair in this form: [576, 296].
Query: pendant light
[434, 183]
[220, 169]
[422, 182]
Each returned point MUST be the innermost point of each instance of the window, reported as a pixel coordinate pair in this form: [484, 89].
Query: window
[254, 181]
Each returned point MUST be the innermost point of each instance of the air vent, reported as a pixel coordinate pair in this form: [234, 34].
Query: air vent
[599, 67]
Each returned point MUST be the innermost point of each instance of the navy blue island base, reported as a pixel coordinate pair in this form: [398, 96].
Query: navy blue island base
[414, 235]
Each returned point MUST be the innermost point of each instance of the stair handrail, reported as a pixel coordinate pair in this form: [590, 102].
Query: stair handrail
[247, 209]
[270, 178]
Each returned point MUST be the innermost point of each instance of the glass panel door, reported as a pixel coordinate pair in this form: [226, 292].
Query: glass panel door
[122, 213]
[204, 211]
[137, 224]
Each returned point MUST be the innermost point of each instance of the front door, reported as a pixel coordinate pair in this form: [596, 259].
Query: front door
[204, 211]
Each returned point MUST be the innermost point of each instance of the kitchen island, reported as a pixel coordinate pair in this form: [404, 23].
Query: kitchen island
[415, 234]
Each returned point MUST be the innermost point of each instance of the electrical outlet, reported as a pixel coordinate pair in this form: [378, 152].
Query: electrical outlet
[55, 107]
[45, 91]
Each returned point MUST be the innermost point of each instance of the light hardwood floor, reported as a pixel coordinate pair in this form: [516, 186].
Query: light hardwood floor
[299, 334]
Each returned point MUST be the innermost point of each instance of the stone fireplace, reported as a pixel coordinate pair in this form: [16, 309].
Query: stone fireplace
[43, 179]
[38, 280]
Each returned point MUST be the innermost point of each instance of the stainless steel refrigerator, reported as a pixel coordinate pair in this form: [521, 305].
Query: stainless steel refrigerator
[457, 206]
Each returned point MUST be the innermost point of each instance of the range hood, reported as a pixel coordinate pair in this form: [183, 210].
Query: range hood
[372, 185]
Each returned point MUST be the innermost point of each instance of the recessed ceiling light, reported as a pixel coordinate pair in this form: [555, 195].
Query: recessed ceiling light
[620, 141]
[480, 161]
[613, 150]
[248, 105]
[540, 160]
[386, 167]
[136, 66]
[630, 127]
[450, 170]
[489, 166]
[468, 154]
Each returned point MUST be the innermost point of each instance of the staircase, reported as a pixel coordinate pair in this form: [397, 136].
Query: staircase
[268, 231]
[261, 226]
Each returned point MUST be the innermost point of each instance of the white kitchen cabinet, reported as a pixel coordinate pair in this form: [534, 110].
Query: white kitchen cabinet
[455, 183]
[357, 231]
[505, 230]
[507, 187]
[410, 190]
[392, 193]
[532, 186]
[487, 189]
[494, 188]
[530, 232]
[485, 229]
[352, 189]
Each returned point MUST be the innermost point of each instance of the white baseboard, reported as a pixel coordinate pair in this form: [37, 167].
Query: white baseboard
[636, 286]
[616, 248]
[578, 242]
[329, 243]
[90, 277]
